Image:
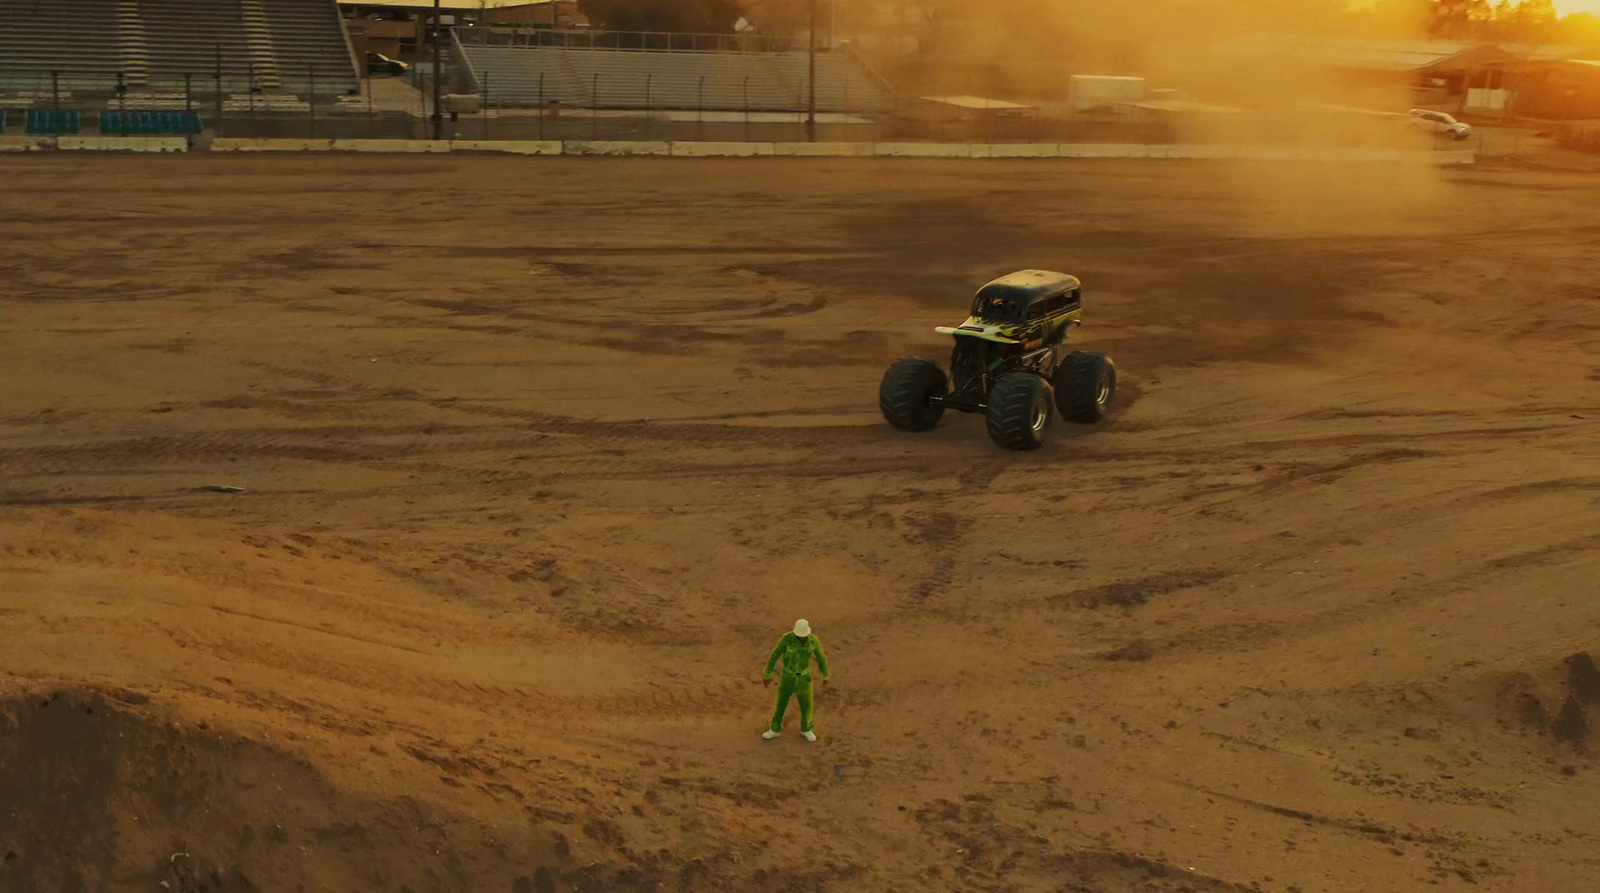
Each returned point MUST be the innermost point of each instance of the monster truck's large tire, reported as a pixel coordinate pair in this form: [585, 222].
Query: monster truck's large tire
[1019, 411]
[1085, 384]
[906, 391]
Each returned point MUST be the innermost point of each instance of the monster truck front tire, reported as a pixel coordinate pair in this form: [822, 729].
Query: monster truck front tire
[1019, 412]
[906, 394]
[1085, 385]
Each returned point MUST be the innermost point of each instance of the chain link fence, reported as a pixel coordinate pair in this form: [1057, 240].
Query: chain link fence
[333, 105]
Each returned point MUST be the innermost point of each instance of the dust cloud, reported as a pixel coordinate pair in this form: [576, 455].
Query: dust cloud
[1231, 72]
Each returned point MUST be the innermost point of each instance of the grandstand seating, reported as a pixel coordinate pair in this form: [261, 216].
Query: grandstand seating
[144, 123]
[89, 43]
[842, 85]
[190, 38]
[636, 80]
[308, 33]
[53, 121]
[77, 37]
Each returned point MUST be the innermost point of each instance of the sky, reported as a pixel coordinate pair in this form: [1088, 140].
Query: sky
[1566, 6]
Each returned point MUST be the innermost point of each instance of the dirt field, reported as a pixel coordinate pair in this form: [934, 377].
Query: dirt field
[540, 457]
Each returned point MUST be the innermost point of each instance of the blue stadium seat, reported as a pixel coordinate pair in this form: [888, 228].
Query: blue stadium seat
[142, 123]
[53, 121]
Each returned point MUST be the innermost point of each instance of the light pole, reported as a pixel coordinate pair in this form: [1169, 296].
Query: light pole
[811, 80]
[438, 116]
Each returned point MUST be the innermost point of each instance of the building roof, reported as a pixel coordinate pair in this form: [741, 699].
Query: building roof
[1486, 56]
[1375, 55]
[973, 102]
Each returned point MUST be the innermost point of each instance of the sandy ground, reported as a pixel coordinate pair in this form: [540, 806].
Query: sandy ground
[539, 458]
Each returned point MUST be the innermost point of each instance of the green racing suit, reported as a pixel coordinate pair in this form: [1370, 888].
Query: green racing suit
[795, 681]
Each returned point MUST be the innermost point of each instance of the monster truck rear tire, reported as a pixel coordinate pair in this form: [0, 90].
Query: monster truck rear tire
[1085, 384]
[1019, 412]
[906, 390]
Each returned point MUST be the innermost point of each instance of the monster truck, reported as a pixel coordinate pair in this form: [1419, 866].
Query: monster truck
[1010, 363]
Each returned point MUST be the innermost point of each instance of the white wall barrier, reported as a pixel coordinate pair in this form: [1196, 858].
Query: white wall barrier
[922, 150]
[822, 150]
[615, 147]
[722, 150]
[391, 146]
[1209, 153]
[511, 147]
[1104, 150]
[231, 144]
[25, 143]
[762, 149]
[123, 143]
[1015, 150]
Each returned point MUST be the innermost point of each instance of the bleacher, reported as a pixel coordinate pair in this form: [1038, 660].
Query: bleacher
[842, 85]
[43, 122]
[153, 44]
[78, 37]
[307, 33]
[669, 80]
[148, 123]
[190, 37]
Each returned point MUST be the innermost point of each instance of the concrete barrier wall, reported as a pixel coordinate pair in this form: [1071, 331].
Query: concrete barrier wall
[1104, 150]
[823, 150]
[688, 149]
[1210, 153]
[122, 143]
[511, 147]
[25, 143]
[231, 144]
[1016, 150]
[722, 150]
[615, 147]
[408, 146]
[922, 150]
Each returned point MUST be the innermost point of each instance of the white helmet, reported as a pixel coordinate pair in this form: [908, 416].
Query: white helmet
[802, 628]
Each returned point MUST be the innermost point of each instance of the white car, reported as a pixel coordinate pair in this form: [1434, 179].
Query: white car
[1438, 122]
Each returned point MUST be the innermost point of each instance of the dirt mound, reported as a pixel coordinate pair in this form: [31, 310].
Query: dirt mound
[101, 794]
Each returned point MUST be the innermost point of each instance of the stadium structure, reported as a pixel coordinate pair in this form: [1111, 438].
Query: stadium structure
[286, 67]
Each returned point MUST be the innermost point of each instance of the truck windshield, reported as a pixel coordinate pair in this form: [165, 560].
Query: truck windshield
[997, 307]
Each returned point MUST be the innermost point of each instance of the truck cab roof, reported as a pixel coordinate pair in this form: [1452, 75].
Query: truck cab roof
[1010, 296]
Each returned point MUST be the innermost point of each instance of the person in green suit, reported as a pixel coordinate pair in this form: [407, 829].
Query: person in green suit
[796, 650]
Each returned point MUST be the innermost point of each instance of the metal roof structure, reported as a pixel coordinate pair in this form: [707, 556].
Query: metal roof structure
[1380, 56]
[974, 102]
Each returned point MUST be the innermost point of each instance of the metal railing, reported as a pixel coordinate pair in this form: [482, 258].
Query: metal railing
[227, 101]
[640, 41]
[646, 107]
[307, 80]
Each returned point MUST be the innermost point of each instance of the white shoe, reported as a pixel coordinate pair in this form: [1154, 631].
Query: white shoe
[770, 734]
[809, 736]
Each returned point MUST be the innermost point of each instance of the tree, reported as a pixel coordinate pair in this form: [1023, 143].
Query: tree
[700, 16]
[1532, 21]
